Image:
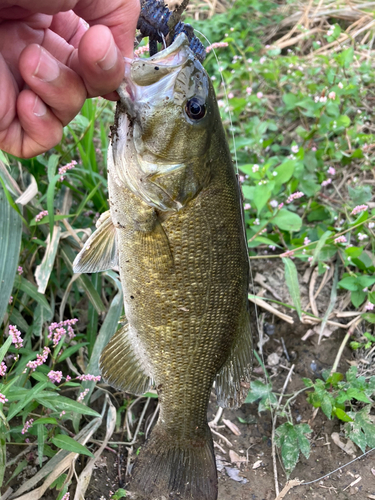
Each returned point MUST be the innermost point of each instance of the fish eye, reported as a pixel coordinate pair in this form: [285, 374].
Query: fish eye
[195, 109]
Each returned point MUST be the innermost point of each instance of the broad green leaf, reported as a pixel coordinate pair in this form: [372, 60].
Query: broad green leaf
[342, 415]
[261, 195]
[326, 405]
[32, 291]
[257, 391]
[291, 278]
[287, 221]
[45, 421]
[67, 443]
[349, 283]
[10, 243]
[284, 173]
[71, 350]
[353, 393]
[320, 245]
[358, 297]
[67, 404]
[15, 408]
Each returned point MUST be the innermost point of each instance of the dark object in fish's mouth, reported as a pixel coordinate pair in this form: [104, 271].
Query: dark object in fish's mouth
[154, 22]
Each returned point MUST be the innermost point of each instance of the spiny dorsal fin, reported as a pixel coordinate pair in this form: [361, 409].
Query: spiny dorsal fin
[121, 367]
[230, 390]
[100, 251]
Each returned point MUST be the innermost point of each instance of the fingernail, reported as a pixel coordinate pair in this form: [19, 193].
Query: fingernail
[48, 69]
[110, 58]
[39, 109]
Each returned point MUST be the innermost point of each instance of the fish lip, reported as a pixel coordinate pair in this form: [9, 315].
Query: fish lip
[173, 55]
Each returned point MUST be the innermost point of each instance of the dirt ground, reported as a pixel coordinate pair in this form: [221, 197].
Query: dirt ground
[252, 478]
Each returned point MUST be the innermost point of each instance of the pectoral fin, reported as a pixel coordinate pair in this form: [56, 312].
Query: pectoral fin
[230, 388]
[155, 249]
[100, 251]
[121, 367]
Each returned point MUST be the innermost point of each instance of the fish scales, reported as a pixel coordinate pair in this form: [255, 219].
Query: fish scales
[183, 261]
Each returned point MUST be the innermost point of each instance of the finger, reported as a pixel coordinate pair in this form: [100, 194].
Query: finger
[8, 97]
[34, 129]
[56, 84]
[98, 61]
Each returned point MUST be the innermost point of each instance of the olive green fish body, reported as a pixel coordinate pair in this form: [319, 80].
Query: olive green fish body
[175, 206]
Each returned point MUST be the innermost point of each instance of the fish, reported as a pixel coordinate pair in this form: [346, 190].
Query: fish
[175, 230]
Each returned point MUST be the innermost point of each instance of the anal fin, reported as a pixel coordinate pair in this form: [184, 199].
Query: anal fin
[121, 367]
[100, 251]
[230, 388]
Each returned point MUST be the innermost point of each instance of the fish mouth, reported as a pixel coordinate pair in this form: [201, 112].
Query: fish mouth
[146, 72]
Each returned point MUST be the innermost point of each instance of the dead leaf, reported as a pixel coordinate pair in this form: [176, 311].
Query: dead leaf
[235, 458]
[348, 447]
[273, 359]
[233, 427]
[234, 474]
[257, 464]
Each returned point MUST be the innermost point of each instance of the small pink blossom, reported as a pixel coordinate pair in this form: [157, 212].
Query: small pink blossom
[3, 369]
[40, 215]
[247, 206]
[369, 306]
[295, 148]
[57, 330]
[340, 239]
[332, 95]
[10, 299]
[62, 413]
[362, 236]
[273, 203]
[326, 182]
[230, 95]
[3, 399]
[67, 378]
[331, 171]
[16, 336]
[272, 247]
[66, 496]
[306, 241]
[289, 253]
[256, 222]
[340, 85]
[294, 196]
[141, 50]
[280, 206]
[371, 225]
[20, 270]
[313, 148]
[216, 45]
[27, 425]
[65, 168]
[359, 208]
[40, 359]
[82, 395]
[89, 377]
[55, 376]
[255, 168]
[310, 259]
[249, 90]
[259, 95]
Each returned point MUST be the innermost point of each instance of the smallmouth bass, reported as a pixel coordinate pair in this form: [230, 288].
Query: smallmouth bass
[175, 230]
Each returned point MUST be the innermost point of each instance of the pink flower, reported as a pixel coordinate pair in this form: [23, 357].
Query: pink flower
[141, 50]
[89, 377]
[62, 413]
[310, 259]
[295, 149]
[57, 330]
[247, 206]
[3, 369]
[16, 336]
[280, 206]
[306, 241]
[273, 203]
[248, 90]
[259, 95]
[294, 196]
[332, 95]
[230, 95]
[331, 171]
[326, 182]
[40, 359]
[67, 378]
[313, 148]
[369, 306]
[82, 395]
[55, 376]
[340, 239]
[27, 425]
[20, 270]
[40, 215]
[362, 236]
[66, 496]
[216, 45]
[340, 85]
[65, 168]
[3, 399]
[255, 168]
[272, 247]
[10, 299]
[289, 253]
[359, 208]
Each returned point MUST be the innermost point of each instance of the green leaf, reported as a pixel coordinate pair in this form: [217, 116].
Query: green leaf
[341, 415]
[258, 390]
[358, 297]
[10, 244]
[291, 278]
[70, 350]
[320, 245]
[261, 195]
[287, 221]
[349, 283]
[16, 408]
[32, 291]
[284, 173]
[4, 348]
[67, 404]
[3, 453]
[20, 467]
[326, 405]
[353, 393]
[67, 443]
[45, 421]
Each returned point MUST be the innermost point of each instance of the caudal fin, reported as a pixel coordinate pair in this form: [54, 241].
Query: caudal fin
[176, 469]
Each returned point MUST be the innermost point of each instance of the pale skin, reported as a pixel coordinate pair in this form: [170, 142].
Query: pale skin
[54, 54]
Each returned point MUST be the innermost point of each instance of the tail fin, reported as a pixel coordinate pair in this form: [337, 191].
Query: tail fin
[173, 469]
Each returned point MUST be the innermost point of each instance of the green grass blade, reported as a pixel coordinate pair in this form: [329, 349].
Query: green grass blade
[320, 245]
[10, 243]
[32, 292]
[3, 453]
[291, 278]
[67, 443]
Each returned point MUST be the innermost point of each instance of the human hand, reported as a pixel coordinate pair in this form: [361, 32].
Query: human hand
[51, 61]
